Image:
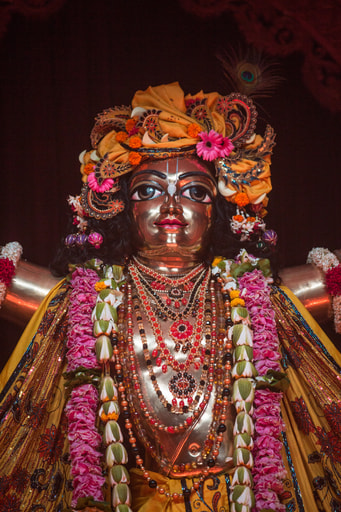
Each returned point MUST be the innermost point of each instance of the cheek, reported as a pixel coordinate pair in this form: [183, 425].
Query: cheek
[201, 219]
[143, 218]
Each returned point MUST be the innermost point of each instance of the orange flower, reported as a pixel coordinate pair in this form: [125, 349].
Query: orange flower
[88, 169]
[238, 218]
[99, 286]
[134, 158]
[130, 124]
[241, 199]
[234, 294]
[121, 136]
[251, 219]
[135, 142]
[237, 302]
[193, 130]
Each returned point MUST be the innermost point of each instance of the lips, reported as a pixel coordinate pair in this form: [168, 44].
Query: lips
[171, 222]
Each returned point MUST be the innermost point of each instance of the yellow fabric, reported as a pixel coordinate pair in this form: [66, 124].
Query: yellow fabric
[310, 408]
[34, 470]
[27, 336]
[147, 500]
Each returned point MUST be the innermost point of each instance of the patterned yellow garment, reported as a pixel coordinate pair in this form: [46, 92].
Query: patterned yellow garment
[34, 461]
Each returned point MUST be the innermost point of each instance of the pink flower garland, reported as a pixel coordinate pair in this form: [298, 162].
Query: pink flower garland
[82, 406]
[268, 471]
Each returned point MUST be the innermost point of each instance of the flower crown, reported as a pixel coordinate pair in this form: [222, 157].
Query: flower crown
[162, 123]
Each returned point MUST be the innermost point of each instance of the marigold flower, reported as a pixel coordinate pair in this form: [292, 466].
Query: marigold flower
[121, 136]
[193, 130]
[135, 142]
[88, 168]
[134, 158]
[99, 286]
[234, 294]
[237, 302]
[130, 124]
[238, 218]
[241, 199]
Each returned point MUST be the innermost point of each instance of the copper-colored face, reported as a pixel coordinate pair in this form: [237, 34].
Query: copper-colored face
[172, 208]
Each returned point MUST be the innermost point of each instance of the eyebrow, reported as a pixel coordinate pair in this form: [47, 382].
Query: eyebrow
[148, 171]
[196, 173]
[182, 176]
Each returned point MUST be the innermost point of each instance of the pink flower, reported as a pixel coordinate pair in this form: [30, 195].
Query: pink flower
[84, 439]
[226, 147]
[269, 500]
[96, 187]
[268, 470]
[209, 147]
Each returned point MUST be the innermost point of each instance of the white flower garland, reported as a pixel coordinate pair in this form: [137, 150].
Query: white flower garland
[322, 258]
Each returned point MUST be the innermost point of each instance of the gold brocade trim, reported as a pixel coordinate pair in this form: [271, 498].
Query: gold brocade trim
[311, 412]
[34, 446]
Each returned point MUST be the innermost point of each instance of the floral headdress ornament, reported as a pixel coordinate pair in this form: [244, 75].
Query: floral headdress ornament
[162, 122]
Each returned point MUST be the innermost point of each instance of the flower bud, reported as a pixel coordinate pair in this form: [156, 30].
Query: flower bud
[244, 369]
[243, 389]
[121, 495]
[109, 411]
[240, 314]
[242, 406]
[243, 424]
[119, 475]
[243, 495]
[241, 334]
[115, 272]
[112, 432]
[103, 348]
[243, 441]
[112, 297]
[242, 457]
[108, 390]
[103, 327]
[242, 476]
[243, 353]
[104, 311]
[116, 454]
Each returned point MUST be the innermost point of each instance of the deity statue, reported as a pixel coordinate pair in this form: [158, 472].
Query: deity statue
[170, 371]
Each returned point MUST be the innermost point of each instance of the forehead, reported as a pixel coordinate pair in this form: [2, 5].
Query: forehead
[180, 168]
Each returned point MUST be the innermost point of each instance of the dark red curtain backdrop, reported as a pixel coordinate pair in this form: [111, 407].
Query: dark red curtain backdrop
[59, 71]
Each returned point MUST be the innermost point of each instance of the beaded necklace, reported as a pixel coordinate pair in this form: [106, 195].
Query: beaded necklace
[174, 288]
[164, 356]
[216, 367]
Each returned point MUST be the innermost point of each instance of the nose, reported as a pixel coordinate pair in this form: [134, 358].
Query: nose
[171, 204]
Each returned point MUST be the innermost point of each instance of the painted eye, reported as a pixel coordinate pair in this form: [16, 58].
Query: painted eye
[197, 193]
[145, 192]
